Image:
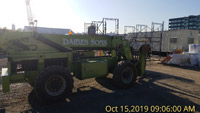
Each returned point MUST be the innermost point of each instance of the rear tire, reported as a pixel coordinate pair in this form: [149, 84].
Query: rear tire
[124, 74]
[54, 83]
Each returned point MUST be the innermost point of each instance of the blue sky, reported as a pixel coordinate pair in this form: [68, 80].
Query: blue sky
[73, 13]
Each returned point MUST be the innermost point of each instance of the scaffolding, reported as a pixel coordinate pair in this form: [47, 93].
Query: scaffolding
[86, 25]
[126, 29]
[116, 25]
[101, 26]
[147, 35]
[156, 40]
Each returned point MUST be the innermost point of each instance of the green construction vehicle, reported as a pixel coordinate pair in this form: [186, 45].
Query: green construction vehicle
[48, 61]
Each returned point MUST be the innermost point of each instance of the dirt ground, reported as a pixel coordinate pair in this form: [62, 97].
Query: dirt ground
[163, 85]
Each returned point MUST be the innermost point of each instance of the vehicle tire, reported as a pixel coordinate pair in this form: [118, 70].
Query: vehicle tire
[124, 74]
[54, 83]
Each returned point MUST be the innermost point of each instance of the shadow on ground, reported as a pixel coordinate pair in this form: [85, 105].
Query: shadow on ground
[145, 92]
[194, 68]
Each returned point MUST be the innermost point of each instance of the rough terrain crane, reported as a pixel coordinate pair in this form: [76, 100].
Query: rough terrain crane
[47, 61]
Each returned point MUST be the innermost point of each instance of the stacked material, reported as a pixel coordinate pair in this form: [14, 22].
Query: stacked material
[194, 48]
[191, 58]
[185, 59]
[179, 59]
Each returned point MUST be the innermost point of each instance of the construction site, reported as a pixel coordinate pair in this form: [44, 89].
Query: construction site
[144, 69]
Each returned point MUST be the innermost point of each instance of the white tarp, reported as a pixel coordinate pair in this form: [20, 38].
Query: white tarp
[193, 59]
[179, 59]
[185, 59]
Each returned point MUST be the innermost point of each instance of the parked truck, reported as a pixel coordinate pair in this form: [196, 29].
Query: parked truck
[48, 62]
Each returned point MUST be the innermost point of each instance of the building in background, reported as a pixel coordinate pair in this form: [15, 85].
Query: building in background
[45, 30]
[169, 42]
[191, 22]
[13, 27]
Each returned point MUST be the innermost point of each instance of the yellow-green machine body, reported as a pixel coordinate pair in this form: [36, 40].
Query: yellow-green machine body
[29, 53]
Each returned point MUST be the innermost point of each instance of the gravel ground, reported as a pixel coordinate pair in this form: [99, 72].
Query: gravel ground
[163, 85]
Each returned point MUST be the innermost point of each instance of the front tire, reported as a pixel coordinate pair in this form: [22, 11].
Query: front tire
[124, 74]
[54, 83]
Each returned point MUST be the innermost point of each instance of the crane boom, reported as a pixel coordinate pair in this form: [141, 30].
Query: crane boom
[29, 13]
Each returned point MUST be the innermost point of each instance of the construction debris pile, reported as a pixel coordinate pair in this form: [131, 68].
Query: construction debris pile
[191, 58]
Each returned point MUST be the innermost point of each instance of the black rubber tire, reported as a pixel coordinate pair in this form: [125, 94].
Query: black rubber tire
[119, 71]
[53, 73]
